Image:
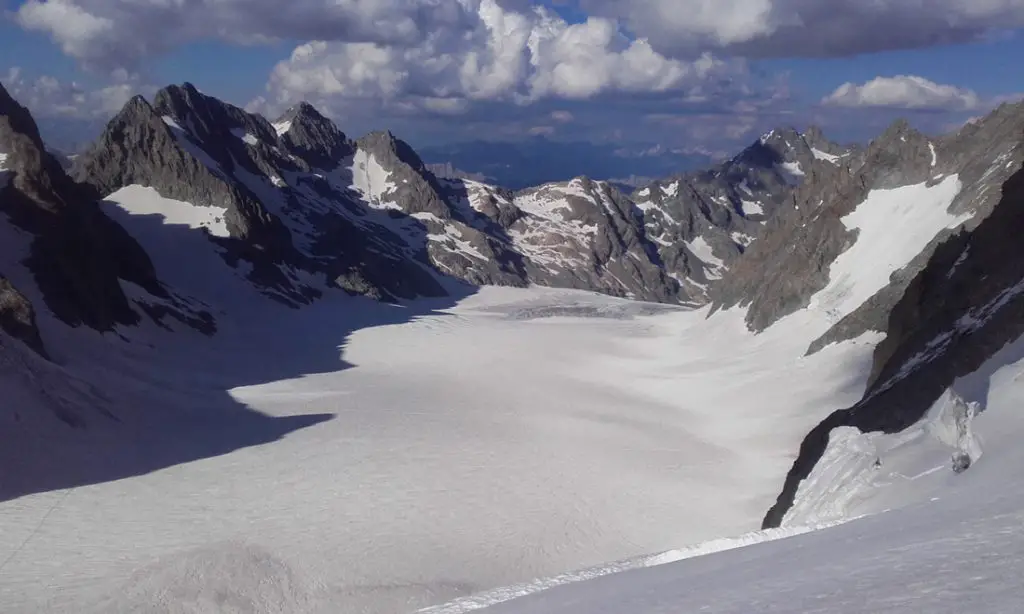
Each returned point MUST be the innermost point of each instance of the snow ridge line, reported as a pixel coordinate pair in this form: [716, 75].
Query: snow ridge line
[502, 595]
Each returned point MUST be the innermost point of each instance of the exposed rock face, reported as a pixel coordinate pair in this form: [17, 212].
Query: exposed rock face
[964, 305]
[791, 260]
[703, 221]
[77, 254]
[579, 234]
[312, 137]
[146, 145]
[18, 318]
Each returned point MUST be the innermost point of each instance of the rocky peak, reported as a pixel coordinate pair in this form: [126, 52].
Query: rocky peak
[815, 136]
[312, 137]
[77, 254]
[820, 144]
[185, 148]
[207, 117]
[35, 171]
[385, 146]
[412, 187]
[900, 156]
[791, 261]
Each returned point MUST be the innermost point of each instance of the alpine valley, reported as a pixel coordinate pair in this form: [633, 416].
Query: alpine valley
[256, 365]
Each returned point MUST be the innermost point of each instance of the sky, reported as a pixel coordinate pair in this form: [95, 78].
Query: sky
[693, 75]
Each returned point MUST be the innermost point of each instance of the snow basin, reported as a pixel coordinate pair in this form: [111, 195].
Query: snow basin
[479, 445]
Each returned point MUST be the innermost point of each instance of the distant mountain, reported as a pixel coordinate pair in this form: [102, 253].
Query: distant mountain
[71, 135]
[517, 165]
[718, 212]
[447, 171]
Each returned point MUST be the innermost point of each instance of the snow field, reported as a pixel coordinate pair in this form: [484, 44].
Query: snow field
[893, 227]
[951, 543]
[469, 449]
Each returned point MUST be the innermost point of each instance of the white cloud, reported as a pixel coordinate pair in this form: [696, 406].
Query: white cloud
[47, 97]
[904, 92]
[808, 27]
[112, 33]
[510, 56]
[70, 25]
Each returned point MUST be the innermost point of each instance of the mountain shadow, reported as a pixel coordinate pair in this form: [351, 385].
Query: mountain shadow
[142, 399]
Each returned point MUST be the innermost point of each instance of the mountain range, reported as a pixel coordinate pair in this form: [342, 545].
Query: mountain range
[537, 160]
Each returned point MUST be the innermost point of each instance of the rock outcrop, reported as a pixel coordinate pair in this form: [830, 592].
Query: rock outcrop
[77, 254]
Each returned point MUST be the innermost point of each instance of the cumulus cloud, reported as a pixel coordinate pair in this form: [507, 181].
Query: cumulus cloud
[511, 56]
[819, 28]
[903, 92]
[49, 97]
[110, 33]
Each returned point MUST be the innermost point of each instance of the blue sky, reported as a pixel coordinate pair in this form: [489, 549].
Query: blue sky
[692, 77]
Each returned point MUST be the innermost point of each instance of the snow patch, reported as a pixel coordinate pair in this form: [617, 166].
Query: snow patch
[453, 240]
[140, 200]
[742, 239]
[752, 208]
[893, 226]
[792, 172]
[372, 181]
[821, 155]
[246, 137]
[282, 127]
[702, 250]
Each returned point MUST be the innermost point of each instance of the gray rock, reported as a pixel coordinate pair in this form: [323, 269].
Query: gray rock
[18, 318]
[312, 137]
[78, 254]
[730, 206]
[140, 147]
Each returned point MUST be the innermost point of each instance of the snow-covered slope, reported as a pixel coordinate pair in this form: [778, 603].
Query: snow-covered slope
[437, 454]
[936, 541]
